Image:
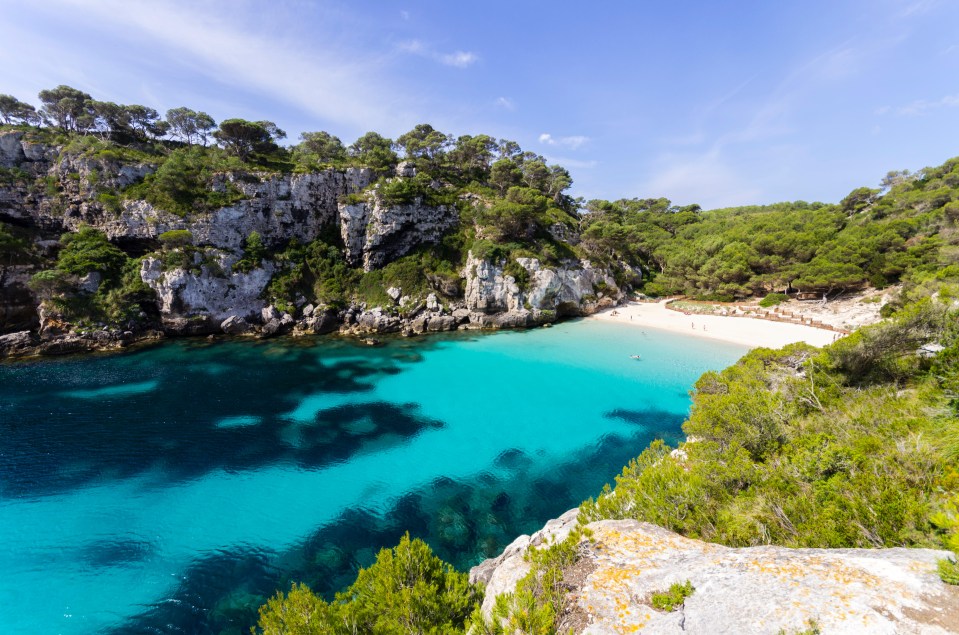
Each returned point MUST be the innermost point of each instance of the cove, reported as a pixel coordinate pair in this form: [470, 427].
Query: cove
[173, 489]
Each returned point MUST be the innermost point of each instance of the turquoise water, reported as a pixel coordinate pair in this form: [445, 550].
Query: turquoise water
[172, 489]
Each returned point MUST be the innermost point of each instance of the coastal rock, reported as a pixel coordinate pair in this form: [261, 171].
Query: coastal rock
[374, 321]
[235, 325]
[214, 291]
[18, 343]
[500, 574]
[575, 288]
[441, 323]
[318, 322]
[745, 590]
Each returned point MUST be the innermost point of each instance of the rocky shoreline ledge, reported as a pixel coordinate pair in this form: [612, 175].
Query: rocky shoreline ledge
[763, 589]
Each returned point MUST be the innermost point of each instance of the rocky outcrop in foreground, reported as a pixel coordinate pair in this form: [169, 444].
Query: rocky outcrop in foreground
[747, 590]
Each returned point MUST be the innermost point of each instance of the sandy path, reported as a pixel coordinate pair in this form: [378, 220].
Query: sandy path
[739, 330]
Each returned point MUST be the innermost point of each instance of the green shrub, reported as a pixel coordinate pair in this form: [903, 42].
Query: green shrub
[176, 238]
[89, 250]
[110, 201]
[407, 590]
[948, 571]
[673, 598]
[773, 299]
[519, 273]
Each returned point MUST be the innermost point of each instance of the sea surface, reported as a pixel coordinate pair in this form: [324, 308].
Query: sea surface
[173, 489]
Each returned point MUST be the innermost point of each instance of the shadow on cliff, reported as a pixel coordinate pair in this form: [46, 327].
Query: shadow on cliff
[463, 521]
[180, 414]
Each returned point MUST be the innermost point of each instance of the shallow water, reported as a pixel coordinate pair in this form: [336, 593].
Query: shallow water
[172, 489]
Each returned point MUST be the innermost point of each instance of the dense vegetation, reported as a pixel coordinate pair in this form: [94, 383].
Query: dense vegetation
[872, 237]
[507, 200]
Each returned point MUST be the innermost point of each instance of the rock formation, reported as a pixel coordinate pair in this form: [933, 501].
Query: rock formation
[746, 590]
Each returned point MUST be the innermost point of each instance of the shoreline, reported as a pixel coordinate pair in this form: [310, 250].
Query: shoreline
[744, 331]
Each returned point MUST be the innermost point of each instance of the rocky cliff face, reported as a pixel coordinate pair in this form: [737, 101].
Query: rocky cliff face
[572, 289]
[55, 191]
[749, 590]
[375, 233]
[212, 291]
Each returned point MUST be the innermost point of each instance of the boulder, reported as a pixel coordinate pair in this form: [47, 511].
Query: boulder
[318, 323]
[235, 325]
[19, 343]
[438, 323]
[269, 313]
[271, 327]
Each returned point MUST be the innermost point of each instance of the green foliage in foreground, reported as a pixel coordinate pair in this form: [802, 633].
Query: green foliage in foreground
[537, 603]
[847, 447]
[672, 598]
[407, 590]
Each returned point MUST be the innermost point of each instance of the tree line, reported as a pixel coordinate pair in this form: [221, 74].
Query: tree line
[501, 164]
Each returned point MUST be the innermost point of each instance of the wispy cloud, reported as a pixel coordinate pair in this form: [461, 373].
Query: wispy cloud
[332, 84]
[921, 107]
[505, 103]
[572, 142]
[566, 162]
[457, 59]
[706, 179]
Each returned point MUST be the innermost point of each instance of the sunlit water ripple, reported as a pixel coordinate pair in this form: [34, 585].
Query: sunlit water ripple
[171, 490]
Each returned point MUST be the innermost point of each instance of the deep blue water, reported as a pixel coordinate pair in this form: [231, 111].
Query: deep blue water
[173, 489]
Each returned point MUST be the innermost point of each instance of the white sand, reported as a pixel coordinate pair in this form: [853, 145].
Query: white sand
[738, 330]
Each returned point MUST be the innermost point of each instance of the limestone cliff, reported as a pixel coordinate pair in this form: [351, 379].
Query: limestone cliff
[52, 190]
[747, 590]
[494, 297]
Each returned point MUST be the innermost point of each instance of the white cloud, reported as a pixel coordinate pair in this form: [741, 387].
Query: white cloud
[572, 142]
[505, 103]
[922, 106]
[457, 59]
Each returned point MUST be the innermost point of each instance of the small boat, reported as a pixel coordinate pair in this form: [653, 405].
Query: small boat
[635, 357]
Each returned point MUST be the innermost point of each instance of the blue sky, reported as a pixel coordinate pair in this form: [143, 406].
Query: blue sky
[716, 103]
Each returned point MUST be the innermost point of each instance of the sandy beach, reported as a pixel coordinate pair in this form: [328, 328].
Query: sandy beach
[738, 330]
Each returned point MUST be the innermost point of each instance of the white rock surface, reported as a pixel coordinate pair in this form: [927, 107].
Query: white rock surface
[376, 234]
[747, 590]
[185, 293]
[570, 289]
